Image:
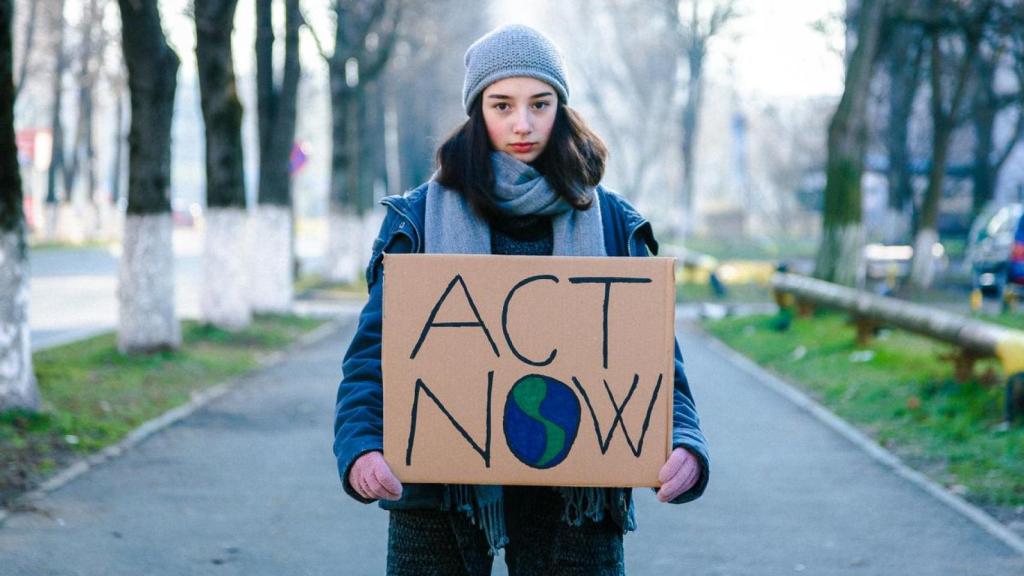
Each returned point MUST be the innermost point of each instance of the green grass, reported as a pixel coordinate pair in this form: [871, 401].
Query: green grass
[902, 393]
[93, 396]
[690, 292]
[46, 245]
[1009, 320]
[316, 286]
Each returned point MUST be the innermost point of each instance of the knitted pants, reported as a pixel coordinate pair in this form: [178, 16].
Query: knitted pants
[428, 542]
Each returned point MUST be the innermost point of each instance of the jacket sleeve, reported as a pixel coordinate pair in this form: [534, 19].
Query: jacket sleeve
[686, 432]
[359, 411]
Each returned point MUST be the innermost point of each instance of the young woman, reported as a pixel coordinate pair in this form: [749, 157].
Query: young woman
[521, 176]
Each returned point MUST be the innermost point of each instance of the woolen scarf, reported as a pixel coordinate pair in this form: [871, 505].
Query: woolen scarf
[453, 227]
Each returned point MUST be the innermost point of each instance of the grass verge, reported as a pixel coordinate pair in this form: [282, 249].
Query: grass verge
[93, 396]
[691, 292]
[317, 287]
[901, 392]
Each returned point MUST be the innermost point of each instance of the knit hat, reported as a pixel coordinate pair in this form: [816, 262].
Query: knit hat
[513, 50]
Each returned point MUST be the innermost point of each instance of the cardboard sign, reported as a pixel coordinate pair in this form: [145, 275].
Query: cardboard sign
[528, 370]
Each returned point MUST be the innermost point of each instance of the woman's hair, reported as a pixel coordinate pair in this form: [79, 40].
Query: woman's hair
[572, 161]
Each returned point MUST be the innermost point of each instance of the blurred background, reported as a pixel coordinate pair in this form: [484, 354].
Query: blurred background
[188, 188]
[716, 113]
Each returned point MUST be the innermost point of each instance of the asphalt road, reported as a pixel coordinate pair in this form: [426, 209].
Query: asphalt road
[73, 291]
[247, 485]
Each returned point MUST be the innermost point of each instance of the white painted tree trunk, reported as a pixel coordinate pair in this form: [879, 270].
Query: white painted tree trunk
[146, 314]
[224, 301]
[846, 242]
[340, 257]
[922, 268]
[349, 245]
[270, 256]
[17, 377]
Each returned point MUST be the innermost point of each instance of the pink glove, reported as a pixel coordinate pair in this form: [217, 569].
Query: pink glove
[371, 477]
[678, 475]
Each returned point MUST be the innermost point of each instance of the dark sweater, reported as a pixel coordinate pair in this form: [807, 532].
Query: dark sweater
[526, 236]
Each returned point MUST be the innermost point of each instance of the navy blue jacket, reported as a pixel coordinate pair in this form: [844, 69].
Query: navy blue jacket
[358, 419]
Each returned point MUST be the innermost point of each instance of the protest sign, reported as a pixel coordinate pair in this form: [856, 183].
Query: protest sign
[527, 370]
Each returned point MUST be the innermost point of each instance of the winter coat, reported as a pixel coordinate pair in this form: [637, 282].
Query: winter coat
[358, 421]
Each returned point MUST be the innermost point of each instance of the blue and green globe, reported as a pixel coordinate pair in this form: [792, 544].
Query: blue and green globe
[542, 416]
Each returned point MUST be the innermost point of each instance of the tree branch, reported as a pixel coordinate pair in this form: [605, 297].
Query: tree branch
[372, 68]
[316, 38]
[26, 50]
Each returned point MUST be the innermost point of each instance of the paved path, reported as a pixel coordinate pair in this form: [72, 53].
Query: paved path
[247, 486]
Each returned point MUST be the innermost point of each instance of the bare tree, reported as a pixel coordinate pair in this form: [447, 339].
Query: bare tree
[1000, 52]
[60, 65]
[80, 160]
[17, 379]
[623, 52]
[697, 23]
[955, 32]
[422, 85]
[29, 32]
[364, 36]
[223, 301]
[271, 278]
[146, 292]
[903, 59]
[839, 256]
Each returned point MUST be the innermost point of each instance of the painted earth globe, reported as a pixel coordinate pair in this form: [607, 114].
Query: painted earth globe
[542, 417]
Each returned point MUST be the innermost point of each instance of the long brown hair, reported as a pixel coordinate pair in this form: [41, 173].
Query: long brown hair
[573, 160]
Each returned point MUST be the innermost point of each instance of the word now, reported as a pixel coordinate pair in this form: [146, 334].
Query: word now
[552, 452]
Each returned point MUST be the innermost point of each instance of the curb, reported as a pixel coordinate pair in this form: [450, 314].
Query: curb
[150, 427]
[983, 519]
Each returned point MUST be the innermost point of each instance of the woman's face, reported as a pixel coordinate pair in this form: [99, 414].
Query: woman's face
[519, 113]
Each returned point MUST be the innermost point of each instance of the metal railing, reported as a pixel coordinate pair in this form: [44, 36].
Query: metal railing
[973, 339]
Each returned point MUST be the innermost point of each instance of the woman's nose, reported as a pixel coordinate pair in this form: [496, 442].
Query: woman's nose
[522, 125]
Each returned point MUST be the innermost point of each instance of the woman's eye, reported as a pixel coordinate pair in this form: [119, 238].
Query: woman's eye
[501, 106]
[542, 105]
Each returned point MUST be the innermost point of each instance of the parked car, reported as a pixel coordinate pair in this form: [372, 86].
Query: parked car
[995, 248]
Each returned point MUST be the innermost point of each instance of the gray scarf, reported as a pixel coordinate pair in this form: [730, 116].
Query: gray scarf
[519, 190]
[452, 227]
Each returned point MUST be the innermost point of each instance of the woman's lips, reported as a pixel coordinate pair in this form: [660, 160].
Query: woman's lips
[522, 147]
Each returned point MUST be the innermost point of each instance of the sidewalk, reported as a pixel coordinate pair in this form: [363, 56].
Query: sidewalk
[248, 486]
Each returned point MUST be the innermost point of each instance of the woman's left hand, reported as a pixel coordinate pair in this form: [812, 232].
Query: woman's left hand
[678, 475]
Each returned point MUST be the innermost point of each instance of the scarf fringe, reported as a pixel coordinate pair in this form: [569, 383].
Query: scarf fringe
[484, 506]
[582, 503]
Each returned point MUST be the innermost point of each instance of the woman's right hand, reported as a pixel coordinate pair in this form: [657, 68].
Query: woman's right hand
[372, 478]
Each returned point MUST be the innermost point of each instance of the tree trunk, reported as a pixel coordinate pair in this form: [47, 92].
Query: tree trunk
[904, 66]
[17, 377]
[352, 66]
[80, 142]
[223, 302]
[147, 319]
[840, 254]
[691, 115]
[922, 269]
[56, 126]
[984, 133]
[271, 277]
[341, 260]
[26, 47]
[117, 170]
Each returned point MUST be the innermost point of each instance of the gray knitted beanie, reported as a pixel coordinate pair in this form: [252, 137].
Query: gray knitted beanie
[513, 50]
